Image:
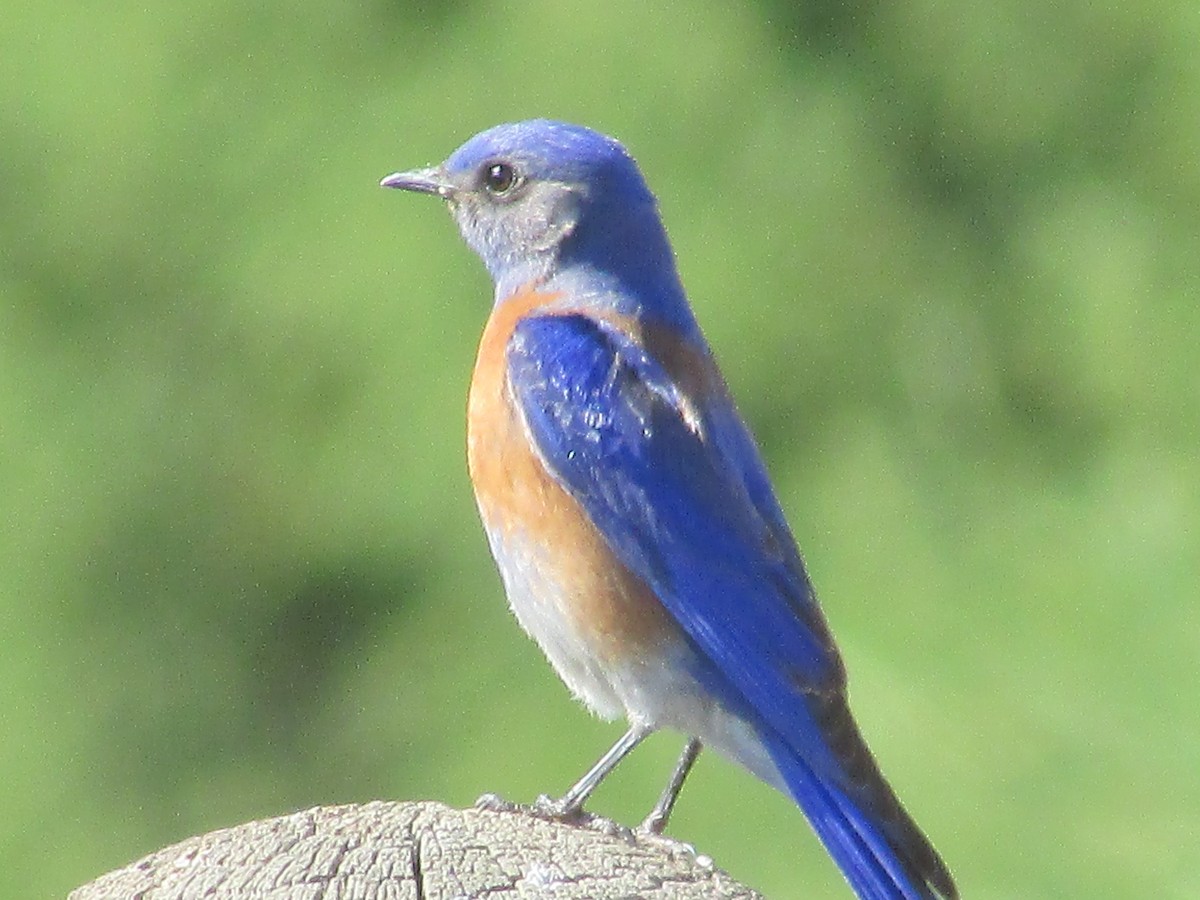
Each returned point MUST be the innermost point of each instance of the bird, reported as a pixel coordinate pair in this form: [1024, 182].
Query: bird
[629, 511]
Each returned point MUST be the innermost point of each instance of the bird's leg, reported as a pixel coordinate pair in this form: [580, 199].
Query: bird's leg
[657, 820]
[572, 801]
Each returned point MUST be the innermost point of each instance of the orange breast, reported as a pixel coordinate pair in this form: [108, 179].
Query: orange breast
[586, 589]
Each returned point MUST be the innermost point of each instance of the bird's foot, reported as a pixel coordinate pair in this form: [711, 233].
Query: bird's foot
[552, 809]
[544, 807]
[560, 810]
[653, 824]
[496, 803]
[650, 832]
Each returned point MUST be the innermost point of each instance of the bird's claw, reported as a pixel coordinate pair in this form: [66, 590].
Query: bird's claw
[496, 803]
[551, 809]
[650, 832]
[544, 807]
[557, 809]
[652, 825]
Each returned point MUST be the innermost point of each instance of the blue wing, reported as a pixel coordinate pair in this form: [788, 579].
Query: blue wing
[684, 502]
[607, 421]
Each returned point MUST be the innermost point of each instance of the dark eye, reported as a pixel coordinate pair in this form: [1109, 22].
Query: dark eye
[499, 178]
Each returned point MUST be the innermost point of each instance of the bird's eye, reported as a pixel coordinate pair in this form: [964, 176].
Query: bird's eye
[499, 178]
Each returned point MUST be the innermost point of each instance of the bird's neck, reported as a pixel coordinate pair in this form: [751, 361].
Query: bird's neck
[627, 269]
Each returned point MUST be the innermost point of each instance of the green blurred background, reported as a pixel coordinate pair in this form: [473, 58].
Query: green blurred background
[948, 254]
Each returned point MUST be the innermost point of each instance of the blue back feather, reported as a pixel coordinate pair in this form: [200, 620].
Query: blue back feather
[693, 514]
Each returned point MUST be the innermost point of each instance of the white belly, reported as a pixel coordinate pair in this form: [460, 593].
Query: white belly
[654, 689]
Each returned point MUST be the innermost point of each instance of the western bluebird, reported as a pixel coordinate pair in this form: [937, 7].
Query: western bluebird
[628, 509]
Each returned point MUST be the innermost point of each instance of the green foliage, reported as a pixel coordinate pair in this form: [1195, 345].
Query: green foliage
[947, 253]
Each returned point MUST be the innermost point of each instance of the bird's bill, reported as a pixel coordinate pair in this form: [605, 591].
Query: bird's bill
[423, 181]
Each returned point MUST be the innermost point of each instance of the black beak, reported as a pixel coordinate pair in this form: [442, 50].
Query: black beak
[423, 181]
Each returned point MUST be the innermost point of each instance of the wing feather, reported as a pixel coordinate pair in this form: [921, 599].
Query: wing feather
[611, 426]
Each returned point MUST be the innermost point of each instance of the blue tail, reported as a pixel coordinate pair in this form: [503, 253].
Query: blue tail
[878, 847]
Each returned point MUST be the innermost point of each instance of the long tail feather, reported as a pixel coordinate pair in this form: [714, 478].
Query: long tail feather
[881, 860]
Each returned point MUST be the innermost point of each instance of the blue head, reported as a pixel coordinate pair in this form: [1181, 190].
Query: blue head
[560, 204]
